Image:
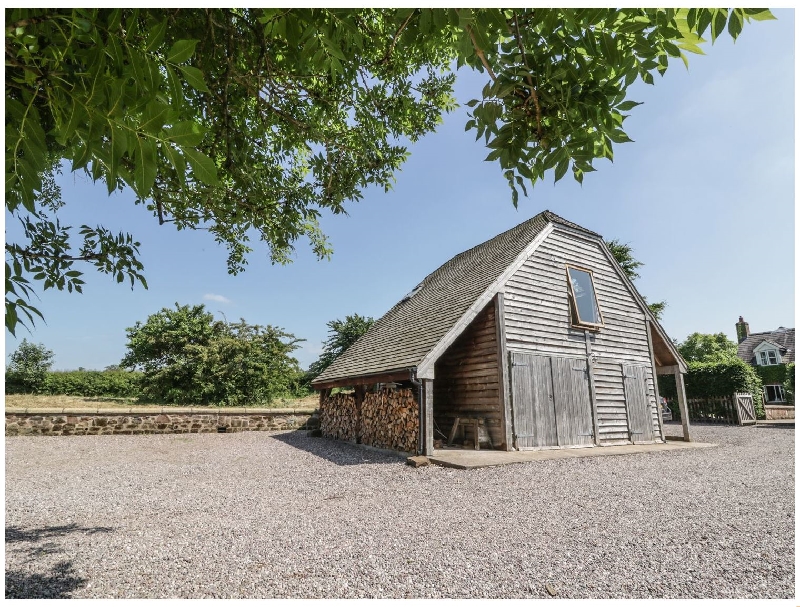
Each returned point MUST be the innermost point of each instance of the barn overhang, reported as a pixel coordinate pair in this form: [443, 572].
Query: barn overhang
[384, 377]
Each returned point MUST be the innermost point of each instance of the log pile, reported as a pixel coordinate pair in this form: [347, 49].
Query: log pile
[337, 416]
[390, 420]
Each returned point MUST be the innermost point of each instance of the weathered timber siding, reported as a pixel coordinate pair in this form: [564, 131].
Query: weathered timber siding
[537, 317]
[467, 378]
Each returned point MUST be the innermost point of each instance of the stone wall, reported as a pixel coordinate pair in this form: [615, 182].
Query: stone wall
[21, 422]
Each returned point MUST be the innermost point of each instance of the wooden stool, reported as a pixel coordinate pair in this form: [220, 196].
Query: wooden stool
[476, 423]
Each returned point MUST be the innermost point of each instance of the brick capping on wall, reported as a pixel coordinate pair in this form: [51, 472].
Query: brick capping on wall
[57, 421]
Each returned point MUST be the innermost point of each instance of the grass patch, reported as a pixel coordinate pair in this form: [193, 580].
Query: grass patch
[42, 401]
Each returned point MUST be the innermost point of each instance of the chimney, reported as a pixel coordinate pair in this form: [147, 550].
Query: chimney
[742, 330]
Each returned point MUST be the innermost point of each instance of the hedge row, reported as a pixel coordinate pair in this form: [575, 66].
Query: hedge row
[81, 383]
[714, 379]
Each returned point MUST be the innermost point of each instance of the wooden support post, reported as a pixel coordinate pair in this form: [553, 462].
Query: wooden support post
[427, 448]
[655, 379]
[681, 388]
[502, 365]
[592, 393]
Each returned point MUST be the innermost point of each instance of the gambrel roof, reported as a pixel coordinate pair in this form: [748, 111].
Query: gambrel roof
[419, 327]
[782, 338]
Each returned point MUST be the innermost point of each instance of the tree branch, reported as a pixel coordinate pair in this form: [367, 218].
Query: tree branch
[389, 52]
[479, 53]
[533, 94]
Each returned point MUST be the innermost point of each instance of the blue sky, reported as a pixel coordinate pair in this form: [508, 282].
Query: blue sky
[705, 196]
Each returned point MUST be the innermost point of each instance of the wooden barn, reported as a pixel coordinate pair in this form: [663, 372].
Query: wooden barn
[534, 339]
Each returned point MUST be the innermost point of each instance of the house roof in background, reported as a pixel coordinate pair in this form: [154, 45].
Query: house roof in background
[781, 337]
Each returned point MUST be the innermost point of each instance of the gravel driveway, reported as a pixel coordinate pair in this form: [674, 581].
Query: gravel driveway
[282, 515]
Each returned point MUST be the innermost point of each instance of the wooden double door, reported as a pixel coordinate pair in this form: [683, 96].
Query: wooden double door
[551, 402]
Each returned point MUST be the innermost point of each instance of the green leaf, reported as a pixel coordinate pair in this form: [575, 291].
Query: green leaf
[186, 133]
[156, 36]
[145, 170]
[628, 105]
[561, 168]
[203, 167]
[154, 116]
[759, 14]
[194, 77]
[735, 24]
[718, 22]
[181, 51]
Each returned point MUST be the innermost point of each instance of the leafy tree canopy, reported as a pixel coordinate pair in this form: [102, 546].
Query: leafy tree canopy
[187, 357]
[249, 122]
[341, 335]
[704, 347]
[27, 370]
[624, 256]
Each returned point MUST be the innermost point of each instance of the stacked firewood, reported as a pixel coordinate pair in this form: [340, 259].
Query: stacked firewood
[337, 416]
[390, 420]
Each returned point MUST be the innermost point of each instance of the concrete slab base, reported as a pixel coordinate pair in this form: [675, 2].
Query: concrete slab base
[468, 459]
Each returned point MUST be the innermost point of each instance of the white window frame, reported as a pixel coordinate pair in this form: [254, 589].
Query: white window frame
[778, 390]
[765, 353]
[573, 302]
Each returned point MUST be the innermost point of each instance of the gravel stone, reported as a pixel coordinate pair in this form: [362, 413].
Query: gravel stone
[274, 515]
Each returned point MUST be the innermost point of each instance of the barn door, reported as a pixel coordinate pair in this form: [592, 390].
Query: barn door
[550, 400]
[640, 411]
[572, 403]
[532, 398]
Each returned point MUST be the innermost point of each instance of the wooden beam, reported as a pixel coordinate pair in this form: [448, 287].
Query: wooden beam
[655, 378]
[669, 370]
[592, 398]
[364, 380]
[502, 366]
[682, 404]
[427, 448]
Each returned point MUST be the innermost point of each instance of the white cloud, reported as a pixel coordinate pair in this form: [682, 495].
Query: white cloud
[217, 298]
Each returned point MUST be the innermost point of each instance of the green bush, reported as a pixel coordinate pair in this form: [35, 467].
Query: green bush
[788, 383]
[714, 379]
[186, 357]
[123, 384]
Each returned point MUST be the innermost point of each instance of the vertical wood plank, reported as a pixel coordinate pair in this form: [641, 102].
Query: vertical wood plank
[681, 388]
[502, 358]
[640, 420]
[592, 390]
[571, 401]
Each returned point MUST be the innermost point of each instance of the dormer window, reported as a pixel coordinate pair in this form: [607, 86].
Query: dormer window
[767, 354]
[583, 301]
[768, 357]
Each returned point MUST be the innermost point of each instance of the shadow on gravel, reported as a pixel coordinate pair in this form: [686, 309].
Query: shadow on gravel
[57, 583]
[337, 452]
[15, 534]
